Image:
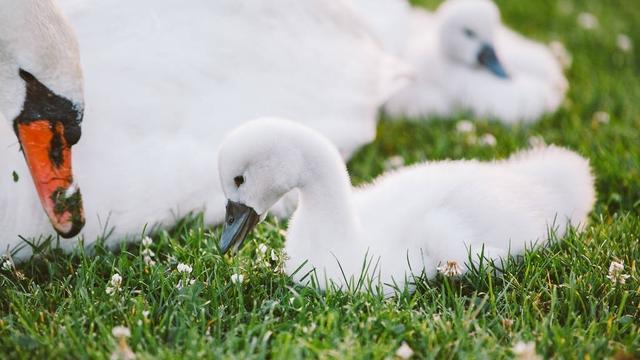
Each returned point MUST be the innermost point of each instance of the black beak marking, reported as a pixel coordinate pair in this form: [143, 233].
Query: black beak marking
[42, 104]
[238, 223]
[487, 57]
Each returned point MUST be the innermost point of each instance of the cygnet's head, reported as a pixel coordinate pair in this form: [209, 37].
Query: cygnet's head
[41, 96]
[466, 33]
[258, 163]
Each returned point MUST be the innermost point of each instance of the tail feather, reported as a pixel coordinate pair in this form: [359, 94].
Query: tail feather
[565, 172]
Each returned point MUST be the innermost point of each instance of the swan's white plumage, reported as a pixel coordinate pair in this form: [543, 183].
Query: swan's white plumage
[165, 80]
[387, 21]
[234, 60]
[444, 84]
[35, 37]
[428, 213]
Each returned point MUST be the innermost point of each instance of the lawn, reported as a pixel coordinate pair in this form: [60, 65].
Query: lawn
[558, 298]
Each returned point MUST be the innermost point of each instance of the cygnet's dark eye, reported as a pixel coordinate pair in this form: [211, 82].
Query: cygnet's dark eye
[469, 33]
[230, 220]
[239, 180]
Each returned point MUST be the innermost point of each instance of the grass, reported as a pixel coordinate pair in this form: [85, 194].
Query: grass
[56, 306]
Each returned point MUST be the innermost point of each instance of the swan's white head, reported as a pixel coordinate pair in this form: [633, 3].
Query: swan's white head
[466, 33]
[41, 97]
[258, 163]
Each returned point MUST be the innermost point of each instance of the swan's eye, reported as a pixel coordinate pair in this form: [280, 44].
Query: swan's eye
[469, 33]
[239, 180]
[231, 220]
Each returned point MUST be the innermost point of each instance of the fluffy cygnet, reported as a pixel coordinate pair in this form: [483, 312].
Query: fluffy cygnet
[407, 222]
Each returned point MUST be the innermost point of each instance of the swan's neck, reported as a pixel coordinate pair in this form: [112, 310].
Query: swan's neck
[35, 37]
[326, 213]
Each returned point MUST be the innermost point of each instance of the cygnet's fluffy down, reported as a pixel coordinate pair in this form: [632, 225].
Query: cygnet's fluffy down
[465, 60]
[406, 222]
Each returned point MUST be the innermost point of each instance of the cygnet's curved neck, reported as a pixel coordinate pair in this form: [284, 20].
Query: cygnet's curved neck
[326, 199]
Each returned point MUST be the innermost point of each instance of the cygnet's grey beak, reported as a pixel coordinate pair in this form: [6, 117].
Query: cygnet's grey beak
[238, 223]
[487, 57]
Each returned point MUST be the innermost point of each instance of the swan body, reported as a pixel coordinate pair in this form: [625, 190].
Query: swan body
[405, 222]
[164, 81]
[387, 21]
[184, 68]
[523, 82]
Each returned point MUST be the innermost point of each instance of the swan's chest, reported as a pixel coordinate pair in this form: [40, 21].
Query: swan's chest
[340, 257]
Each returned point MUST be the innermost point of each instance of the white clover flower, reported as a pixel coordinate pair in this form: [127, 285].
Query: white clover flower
[624, 42]
[465, 126]
[488, 140]
[525, 351]
[148, 260]
[123, 351]
[616, 273]
[147, 241]
[394, 162]
[237, 278]
[115, 282]
[148, 252]
[184, 268]
[450, 269]
[404, 351]
[262, 248]
[7, 265]
[587, 21]
[601, 117]
[121, 331]
[145, 314]
[561, 53]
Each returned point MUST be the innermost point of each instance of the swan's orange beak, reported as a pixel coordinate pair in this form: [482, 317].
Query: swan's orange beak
[48, 157]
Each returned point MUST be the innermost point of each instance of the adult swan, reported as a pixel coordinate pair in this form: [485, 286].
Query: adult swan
[165, 81]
